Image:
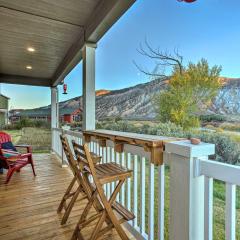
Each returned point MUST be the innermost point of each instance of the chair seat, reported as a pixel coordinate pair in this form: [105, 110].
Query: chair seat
[110, 172]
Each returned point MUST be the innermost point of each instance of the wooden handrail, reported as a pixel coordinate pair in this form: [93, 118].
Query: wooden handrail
[150, 143]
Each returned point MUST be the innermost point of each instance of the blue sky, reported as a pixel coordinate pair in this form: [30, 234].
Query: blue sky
[204, 29]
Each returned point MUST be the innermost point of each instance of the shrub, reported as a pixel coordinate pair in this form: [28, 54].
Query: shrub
[226, 150]
[220, 130]
[231, 126]
[118, 118]
[26, 122]
[213, 117]
[209, 126]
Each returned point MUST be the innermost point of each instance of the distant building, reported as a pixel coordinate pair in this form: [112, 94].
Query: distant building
[69, 115]
[4, 104]
[66, 115]
[14, 115]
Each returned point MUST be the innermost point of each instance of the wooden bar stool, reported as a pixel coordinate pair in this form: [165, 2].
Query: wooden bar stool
[110, 214]
[72, 193]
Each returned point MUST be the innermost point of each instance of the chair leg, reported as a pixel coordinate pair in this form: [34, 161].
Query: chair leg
[60, 207]
[110, 212]
[117, 226]
[87, 208]
[70, 206]
[31, 162]
[98, 227]
[9, 175]
[77, 235]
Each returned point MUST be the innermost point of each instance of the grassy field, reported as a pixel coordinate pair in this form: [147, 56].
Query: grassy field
[219, 208]
[38, 138]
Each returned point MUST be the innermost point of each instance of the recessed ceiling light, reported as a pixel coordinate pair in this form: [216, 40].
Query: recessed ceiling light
[31, 49]
[28, 67]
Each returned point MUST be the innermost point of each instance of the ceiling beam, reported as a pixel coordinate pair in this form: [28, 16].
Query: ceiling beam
[104, 16]
[23, 80]
[41, 16]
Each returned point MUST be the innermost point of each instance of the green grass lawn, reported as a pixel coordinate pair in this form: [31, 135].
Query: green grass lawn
[219, 206]
[38, 138]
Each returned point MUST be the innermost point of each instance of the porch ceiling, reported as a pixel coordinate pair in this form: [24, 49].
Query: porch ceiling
[57, 30]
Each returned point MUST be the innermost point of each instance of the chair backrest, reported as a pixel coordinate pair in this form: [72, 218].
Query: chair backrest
[91, 165]
[70, 158]
[76, 167]
[4, 137]
[84, 171]
[7, 149]
[80, 155]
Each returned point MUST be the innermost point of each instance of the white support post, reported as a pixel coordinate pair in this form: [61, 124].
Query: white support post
[88, 55]
[54, 112]
[187, 189]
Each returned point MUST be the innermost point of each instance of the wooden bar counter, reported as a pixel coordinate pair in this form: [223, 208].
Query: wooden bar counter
[150, 143]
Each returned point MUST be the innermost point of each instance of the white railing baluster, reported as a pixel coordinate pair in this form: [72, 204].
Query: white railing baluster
[135, 190]
[208, 209]
[151, 202]
[92, 146]
[117, 161]
[102, 151]
[161, 195]
[129, 183]
[98, 150]
[112, 160]
[95, 148]
[230, 218]
[122, 192]
[107, 149]
[143, 195]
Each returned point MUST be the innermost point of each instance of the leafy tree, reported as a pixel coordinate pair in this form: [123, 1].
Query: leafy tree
[188, 91]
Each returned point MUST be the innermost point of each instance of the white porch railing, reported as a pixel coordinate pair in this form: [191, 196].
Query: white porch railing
[143, 194]
[231, 176]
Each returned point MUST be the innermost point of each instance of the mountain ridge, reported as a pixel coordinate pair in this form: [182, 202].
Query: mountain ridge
[135, 102]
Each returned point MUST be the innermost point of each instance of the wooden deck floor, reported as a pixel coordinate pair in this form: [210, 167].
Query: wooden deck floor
[28, 205]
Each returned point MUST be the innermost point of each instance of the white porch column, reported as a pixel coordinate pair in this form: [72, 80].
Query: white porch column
[54, 112]
[88, 56]
[187, 189]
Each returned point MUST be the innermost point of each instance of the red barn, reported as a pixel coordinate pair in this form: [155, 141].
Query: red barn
[70, 115]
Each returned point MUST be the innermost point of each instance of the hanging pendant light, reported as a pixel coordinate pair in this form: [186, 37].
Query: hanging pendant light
[64, 88]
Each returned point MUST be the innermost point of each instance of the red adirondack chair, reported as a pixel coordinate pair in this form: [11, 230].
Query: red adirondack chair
[11, 159]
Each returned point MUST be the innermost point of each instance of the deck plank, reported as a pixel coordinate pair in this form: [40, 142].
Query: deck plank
[28, 205]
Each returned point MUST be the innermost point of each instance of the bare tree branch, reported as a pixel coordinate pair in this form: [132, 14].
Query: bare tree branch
[164, 59]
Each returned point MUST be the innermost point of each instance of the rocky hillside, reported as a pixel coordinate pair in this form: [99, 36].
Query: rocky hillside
[228, 98]
[136, 102]
[131, 103]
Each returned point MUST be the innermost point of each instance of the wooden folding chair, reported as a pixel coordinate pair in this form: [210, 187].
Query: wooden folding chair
[72, 193]
[110, 214]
